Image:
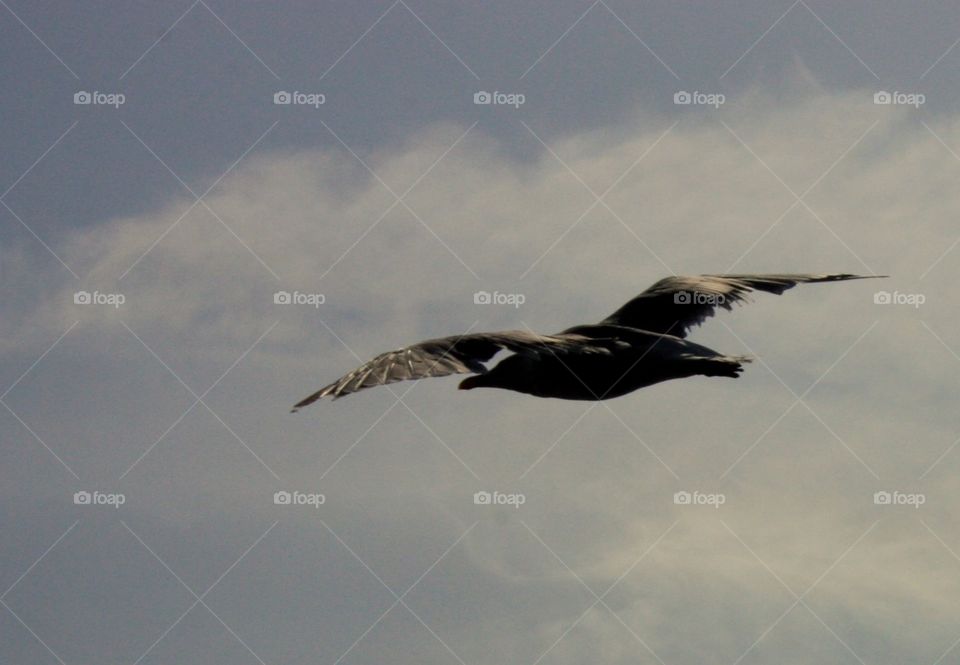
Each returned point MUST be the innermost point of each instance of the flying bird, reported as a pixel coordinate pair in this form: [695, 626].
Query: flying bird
[642, 343]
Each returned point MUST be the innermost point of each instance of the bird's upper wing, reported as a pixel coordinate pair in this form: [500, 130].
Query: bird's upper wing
[459, 354]
[675, 304]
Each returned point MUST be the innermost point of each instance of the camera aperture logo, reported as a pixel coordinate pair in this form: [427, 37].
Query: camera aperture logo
[696, 498]
[697, 98]
[98, 498]
[297, 298]
[697, 298]
[897, 298]
[484, 498]
[497, 298]
[97, 98]
[297, 98]
[497, 98]
[898, 498]
[297, 498]
[897, 98]
[97, 298]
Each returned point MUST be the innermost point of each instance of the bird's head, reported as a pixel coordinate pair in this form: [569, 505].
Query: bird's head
[475, 381]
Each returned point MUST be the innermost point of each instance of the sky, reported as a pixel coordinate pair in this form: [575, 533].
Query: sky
[184, 256]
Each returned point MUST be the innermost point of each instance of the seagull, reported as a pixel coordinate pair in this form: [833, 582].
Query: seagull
[642, 343]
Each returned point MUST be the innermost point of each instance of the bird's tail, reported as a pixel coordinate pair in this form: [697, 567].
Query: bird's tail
[729, 366]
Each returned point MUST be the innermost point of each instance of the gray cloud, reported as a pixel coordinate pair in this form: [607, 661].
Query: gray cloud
[710, 194]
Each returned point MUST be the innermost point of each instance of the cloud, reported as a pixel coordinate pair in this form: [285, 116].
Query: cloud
[711, 194]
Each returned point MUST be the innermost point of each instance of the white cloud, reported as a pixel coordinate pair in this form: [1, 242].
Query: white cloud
[699, 200]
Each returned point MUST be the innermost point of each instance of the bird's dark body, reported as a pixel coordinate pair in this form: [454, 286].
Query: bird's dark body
[642, 343]
[636, 359]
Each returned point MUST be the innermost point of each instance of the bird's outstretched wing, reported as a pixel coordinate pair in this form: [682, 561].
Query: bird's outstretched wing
[459, 354]
[675, 304]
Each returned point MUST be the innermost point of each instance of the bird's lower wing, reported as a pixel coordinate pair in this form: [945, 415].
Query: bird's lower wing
[463, 354]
